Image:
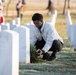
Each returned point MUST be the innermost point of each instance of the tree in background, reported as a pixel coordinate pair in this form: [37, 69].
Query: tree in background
[7, 6]
[65, 5]
[68, 4]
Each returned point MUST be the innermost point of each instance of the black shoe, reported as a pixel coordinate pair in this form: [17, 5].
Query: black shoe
[46, 56]
[52, 57]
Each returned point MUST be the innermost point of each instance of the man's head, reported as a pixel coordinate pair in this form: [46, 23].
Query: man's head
[37, 20]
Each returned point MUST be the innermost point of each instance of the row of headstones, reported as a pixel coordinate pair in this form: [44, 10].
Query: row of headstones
[52, 19]
[71, 28]
[11, 25]
[15, 45]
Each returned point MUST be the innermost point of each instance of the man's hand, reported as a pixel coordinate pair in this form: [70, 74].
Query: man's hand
[39, 52]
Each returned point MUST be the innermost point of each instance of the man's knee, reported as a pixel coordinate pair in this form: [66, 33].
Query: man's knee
[57, 45]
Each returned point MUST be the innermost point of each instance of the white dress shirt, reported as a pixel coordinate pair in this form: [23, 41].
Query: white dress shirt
[47, 32]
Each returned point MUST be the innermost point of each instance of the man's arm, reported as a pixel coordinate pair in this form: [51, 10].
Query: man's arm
[49, 40]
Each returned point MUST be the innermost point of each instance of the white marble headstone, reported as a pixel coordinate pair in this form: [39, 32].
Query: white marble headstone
[12, 24]
[5, 26]
[8, 25]
[73, 35]
[68, 18]
[24, 44]
[9, 53]
[52, 19]
[69, 25]
[69, 28]
[17, 20]
[29, 23]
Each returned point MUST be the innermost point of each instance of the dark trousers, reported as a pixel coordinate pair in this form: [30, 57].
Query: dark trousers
[56, 46]
[19, 14]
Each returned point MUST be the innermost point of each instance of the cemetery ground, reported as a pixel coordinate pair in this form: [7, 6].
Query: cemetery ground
[65, 64]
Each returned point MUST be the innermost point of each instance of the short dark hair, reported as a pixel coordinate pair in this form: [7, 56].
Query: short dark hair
[37, 16]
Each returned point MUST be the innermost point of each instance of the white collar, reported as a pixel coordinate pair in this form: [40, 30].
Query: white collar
[42, 26]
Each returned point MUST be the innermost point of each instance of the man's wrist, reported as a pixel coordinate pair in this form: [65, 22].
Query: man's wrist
[43, 51]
